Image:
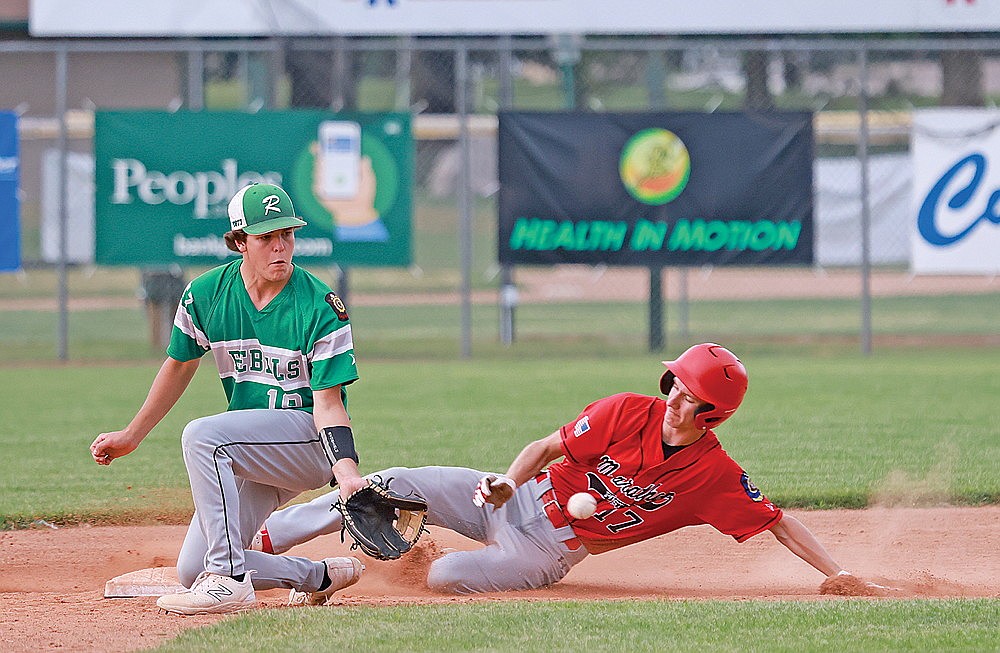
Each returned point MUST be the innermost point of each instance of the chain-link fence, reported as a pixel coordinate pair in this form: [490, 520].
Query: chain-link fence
[456, 298]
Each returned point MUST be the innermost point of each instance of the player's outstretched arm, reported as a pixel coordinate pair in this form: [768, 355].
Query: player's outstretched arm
[534, 457]
[169, 384]
[800, 541]
[497, 490]
[329, 413]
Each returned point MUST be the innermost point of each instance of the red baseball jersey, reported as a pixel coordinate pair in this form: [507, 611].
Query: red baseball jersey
[614, 450]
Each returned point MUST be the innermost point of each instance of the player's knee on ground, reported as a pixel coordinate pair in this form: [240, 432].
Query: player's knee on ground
[443, 576]
[461, 572]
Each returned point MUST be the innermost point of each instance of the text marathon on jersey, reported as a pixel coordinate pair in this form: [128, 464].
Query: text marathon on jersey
[539, 234]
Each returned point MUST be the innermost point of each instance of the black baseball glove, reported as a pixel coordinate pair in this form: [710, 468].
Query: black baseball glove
[383, 523]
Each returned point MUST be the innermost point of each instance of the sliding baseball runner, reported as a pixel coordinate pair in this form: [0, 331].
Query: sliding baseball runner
[651, 465]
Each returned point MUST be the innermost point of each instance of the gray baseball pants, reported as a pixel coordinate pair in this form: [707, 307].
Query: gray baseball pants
[523, 549]
[242, 465]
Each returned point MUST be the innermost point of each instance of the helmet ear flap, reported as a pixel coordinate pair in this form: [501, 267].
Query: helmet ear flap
[666, 382]
[707, 408]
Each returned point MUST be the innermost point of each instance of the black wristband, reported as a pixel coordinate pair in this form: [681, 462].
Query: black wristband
[338, 442]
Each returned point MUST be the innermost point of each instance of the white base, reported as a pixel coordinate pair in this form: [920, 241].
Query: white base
[154, 581]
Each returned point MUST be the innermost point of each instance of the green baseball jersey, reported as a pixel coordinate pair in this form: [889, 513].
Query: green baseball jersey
[270, 358]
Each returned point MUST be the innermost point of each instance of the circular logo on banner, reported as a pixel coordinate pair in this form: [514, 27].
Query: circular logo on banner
[654, 166]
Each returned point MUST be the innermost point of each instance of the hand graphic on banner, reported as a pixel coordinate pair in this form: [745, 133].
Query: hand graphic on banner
[355, 218]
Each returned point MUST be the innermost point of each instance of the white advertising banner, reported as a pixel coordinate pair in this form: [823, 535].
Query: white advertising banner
[956, 184]
[79, 208]
[838, 210]
[192, 18]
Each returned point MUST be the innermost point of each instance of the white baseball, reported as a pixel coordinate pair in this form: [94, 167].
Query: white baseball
[581, 505]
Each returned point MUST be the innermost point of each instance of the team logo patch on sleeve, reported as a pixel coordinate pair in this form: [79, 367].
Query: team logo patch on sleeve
[582, 426]
[337, 304]
[750, 488]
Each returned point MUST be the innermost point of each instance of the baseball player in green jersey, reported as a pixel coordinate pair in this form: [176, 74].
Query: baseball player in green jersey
[282, 342]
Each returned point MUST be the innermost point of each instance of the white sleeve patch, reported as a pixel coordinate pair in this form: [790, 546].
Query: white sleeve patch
[184, 322]
[332, 344]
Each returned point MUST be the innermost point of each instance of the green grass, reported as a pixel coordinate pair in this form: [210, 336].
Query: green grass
[822, 426]
[814, 431]
[571, 627]
[49, 425]
[550, 329]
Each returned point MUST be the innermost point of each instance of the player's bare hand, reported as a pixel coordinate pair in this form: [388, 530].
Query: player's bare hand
[493, 489]
[351, 485]
[108, 446]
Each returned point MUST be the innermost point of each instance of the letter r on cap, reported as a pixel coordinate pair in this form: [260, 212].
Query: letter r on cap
[271, 204]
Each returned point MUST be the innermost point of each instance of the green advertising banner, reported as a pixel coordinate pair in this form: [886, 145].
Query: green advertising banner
[164, 180]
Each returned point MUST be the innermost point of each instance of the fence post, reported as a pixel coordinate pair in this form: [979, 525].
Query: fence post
[508, 289]
[402, 96]
[340, 70]
[566, 53]
[196, 80]
[656, 339]
[276, 70]
[465, 210]
[683, 306]
[866, 298]
[655, 81]
[62, 79]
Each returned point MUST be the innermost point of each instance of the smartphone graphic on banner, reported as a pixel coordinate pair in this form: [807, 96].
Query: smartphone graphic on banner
[340, 158]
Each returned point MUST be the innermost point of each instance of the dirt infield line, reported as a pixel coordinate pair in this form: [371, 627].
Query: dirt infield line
[52, 579]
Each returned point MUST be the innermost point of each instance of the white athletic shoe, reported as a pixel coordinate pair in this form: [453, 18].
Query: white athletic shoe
[211, 594]
[343, 572]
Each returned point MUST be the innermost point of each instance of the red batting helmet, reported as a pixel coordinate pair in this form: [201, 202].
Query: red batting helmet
[713, 374]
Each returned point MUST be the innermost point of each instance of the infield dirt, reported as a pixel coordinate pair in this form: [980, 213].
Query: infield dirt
[52, 580]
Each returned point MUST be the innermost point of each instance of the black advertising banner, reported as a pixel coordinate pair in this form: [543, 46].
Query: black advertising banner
[665, 188]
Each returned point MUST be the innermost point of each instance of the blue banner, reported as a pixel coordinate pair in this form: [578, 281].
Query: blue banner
[10, 213]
